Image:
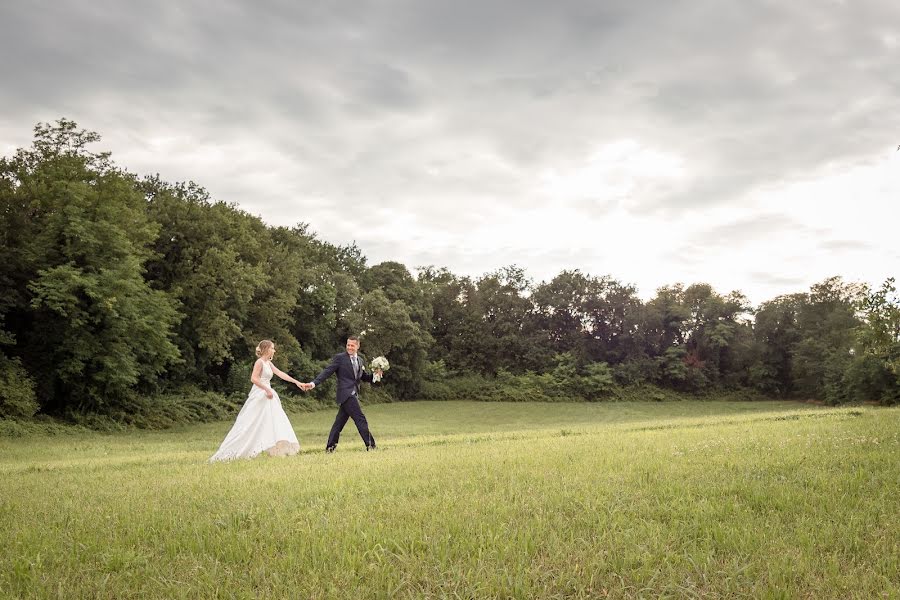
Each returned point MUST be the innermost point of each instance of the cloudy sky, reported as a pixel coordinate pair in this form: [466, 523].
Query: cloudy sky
[751, 145]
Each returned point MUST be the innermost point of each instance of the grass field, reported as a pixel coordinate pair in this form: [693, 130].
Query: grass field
[469, 500]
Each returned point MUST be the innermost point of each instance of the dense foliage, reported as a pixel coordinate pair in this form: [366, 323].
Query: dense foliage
[119, 288]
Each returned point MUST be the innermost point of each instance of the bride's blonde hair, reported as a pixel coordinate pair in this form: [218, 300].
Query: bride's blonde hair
[263, 347]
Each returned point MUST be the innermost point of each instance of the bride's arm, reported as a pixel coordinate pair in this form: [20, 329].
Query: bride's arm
[282, 375]
[254, 377]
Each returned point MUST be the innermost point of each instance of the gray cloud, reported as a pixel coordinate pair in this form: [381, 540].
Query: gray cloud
[448, 114]
[754, 228]
[844, 245]
[770, 279]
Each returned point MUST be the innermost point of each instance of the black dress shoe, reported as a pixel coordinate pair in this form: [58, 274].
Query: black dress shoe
[330, 449]
[370, 448]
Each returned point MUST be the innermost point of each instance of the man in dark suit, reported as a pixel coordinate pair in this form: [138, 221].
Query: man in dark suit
[351, 371]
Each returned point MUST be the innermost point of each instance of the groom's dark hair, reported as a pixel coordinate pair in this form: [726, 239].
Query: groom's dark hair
[355, 338]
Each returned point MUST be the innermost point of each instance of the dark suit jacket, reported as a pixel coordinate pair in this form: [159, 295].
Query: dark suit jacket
[347, 381]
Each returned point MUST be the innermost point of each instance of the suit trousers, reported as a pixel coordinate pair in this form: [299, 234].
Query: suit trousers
[350, 409]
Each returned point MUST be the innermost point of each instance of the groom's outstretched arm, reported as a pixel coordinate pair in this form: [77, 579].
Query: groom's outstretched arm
[327, 371]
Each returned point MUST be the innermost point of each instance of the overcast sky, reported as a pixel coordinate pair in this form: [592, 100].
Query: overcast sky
[748, 144]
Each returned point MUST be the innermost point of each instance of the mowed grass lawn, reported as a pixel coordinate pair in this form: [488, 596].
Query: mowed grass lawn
[469, 500]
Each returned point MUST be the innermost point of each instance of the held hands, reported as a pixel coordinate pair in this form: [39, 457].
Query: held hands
[305, 386]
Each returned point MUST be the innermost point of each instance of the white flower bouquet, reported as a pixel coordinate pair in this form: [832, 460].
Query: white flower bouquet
[379, 363]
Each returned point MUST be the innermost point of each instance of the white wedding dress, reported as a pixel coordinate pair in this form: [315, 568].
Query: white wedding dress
[261, 426]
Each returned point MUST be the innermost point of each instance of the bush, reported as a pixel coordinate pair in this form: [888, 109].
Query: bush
[40, 425]
[507, 387]
[891, 396]
[436, 390]
[238, 379]
[567, 383]
[678, 374]
[868, 379]
[188, 405]
[636, 372]
[648, 393]
[471, 387]
[435, 384]
[597, 382]
[764, 378]
[740, 395]
[375, 394]
[17, 399]
[572, 380]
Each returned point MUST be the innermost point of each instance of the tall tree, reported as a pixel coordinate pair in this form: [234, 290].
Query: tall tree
[561, 309]
[395, 280]
[387, 329]
[212, 258]
[828, 322]
[776, 331]
[456, 320]
[874, 371]
[85, 318]
[505, 310]
[614, 317]
[881, 335]
[713, 328]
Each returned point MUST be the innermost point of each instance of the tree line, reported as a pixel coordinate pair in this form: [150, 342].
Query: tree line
[119, 289]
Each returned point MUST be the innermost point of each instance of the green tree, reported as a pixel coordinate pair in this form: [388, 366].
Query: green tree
[456, 320]
[664, 319]
[828, 322]
[594, 318]
[874, 373]
[880, 335]
[217, 262]
[17, 397]
[561, 314]
[503, 339]
[776, 332]
[387, 329]
[395, 280]
[713, 329]
[89, 327]
[614, 321]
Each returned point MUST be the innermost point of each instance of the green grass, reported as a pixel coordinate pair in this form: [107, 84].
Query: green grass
[469, 500]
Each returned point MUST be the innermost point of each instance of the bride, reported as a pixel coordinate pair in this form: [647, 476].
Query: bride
[262, 425]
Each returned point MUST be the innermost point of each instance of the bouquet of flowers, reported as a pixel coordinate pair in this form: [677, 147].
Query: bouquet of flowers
[379, 363]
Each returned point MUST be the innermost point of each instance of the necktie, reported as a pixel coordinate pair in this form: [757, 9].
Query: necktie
[355, 365]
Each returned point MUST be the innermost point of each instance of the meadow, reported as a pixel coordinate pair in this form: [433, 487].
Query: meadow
[469, 500]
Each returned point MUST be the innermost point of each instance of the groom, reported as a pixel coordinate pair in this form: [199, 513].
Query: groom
[351, 371]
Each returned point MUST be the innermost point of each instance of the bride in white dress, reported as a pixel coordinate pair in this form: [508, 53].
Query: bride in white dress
[262, 425]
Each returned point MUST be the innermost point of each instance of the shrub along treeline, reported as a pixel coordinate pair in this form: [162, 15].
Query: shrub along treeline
[141, 301]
